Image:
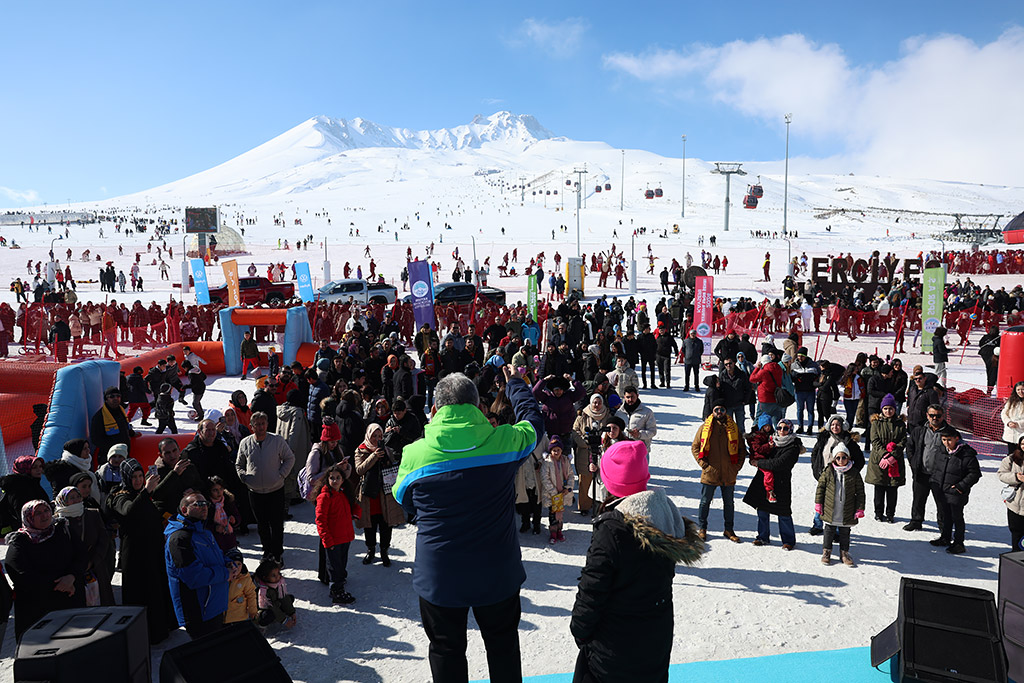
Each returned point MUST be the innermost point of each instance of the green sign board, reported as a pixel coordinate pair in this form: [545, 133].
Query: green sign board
[933, 283]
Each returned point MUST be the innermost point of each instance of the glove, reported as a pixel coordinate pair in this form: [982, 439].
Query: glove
[859, 514]
[890, 447]
[817, 508]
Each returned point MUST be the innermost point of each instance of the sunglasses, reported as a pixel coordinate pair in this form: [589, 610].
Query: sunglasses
[841, 457]
[199, 504]
[782, 428]
[934, 415]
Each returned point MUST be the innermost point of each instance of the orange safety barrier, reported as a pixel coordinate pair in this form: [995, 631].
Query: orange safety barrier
[22, 377]
[259, 316]
[144, 446]
[306, 354]
[16, 414]
[211, 352]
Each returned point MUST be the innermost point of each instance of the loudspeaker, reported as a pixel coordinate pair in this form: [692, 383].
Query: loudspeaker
[1011, 611]
[68, 644]
[942, 634]
[235, 653]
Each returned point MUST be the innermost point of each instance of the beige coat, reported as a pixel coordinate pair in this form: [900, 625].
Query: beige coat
[1015, 414]
[393, 513]
[1007, 473]
[528, 474]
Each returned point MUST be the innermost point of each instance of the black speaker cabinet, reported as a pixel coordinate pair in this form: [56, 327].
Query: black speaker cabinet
[1011, 611]
[204, 660]
[942, 634]
[68, 644]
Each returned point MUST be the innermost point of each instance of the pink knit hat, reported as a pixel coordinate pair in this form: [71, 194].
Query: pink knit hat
[624, 468]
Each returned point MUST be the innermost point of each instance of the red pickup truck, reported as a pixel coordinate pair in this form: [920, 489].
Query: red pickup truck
[255, 290]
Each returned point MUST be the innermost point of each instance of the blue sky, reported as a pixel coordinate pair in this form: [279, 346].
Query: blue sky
[110, 98]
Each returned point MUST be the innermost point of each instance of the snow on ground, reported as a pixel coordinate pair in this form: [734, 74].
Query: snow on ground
[742, 601]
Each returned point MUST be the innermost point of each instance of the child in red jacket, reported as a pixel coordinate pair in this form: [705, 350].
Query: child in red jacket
[760, 442]
[335, 508]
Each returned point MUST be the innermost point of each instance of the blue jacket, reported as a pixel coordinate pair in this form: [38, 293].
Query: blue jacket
[317, 393]
[196, 570]
[458, 483]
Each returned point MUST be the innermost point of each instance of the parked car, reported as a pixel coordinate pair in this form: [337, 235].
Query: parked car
[255, 290]
[463, 293]
[339, 291]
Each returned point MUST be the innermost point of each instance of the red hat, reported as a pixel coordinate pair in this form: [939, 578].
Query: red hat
[330, 432]
[624, 468]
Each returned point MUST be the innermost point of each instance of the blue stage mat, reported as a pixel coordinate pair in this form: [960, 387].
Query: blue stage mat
[797, 667]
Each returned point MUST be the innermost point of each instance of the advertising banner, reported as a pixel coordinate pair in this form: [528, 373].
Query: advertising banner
[932, 286]
[421, 284]
[305, 281]
[231, 278]
[531, 296]
[703, 309]
[202, 287]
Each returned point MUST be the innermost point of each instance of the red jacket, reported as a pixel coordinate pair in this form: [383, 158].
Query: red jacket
[334, 518]
[768, 377]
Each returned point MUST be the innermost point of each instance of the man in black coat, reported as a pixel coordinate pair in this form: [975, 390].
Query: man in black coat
[988, 347]
[727, 347]
[693, 350]
[648, 353]
[263, 401]
[666, 350]
[924, 451]
[177, 475]
[920, 394]
[212, 457]
[734, 386]
[109, 425]
[747, 348]
[952, 479]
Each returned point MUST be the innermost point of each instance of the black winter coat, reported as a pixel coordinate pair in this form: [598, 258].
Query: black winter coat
[264, 401]
[624, 605]
[955, 473]
[18, 490]
[849, 440]
[693, 350]
[735, 390]
[648, 346]
[940, 354]
[33, 569]
[781, 464]
[878, 387]
[918, 401]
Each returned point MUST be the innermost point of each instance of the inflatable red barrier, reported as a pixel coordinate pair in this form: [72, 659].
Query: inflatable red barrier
[1011, 360]
[25, 377]
[144, 446]
[306, 354]
[259, 316]
[16, 416]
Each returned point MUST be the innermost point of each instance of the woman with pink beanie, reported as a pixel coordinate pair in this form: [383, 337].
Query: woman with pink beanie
[639, 537]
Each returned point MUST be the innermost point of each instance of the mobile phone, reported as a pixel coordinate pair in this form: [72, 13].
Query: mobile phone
[151, 471]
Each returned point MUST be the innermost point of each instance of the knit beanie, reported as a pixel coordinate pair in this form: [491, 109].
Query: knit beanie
[555, 442]
[889, 400]
[763, 419]
[330, 432]
[624, 468]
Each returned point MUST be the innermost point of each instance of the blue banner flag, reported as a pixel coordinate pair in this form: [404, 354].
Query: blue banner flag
[199, 281]
[305, 282]
[421, 284]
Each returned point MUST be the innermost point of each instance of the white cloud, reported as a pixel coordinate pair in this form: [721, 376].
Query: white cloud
[492, 100]
[946, 108]
[19, 196]
[559, 39]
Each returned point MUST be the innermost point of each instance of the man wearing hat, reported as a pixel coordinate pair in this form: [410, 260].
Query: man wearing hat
[109, 425]
[955, 473]
[805, 374]
[719, 449]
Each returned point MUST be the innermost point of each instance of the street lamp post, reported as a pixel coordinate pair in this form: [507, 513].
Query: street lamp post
[785, 191]
[622, 182]
[682, 212]
[579, 192]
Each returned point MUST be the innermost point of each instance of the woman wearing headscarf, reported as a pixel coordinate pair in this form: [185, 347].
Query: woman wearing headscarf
[46, 564]
[77, 457]
[86, 523]
[241, 406]
[784, 449]
[380, 511]
[623, 616]
[586, 435]
[232, 430]
[21, 486]
[836, 431]
[143, 570]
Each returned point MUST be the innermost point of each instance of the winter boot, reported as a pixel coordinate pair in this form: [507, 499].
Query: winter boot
[369, 557]
[341, 596]
[554, 537]
[826, 557]
[525, 526]
[384, 559]
[847, 560]
[536, 528]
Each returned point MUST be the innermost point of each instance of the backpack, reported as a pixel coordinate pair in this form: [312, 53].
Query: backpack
[308, 484]
[785, 395]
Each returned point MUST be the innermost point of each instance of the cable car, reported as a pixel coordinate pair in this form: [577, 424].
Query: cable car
[535, 192]
[568, 183]
[556, 191]
[756, 190]
[548, 192]
[608, 186]
[658, 192]
[649, 194]
[597, 188]
[749, 201]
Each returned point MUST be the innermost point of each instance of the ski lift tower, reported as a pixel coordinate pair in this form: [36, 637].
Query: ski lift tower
[728, 169]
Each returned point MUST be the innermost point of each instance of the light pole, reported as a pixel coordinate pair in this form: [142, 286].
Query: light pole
[579, 191]
[682, 213]
[622, 182]
[785, 191]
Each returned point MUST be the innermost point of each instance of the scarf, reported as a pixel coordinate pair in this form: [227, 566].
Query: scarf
[28, 513]
[83, 464]
[110, 427]
[731, 430]
[62, 509]
[781, 441]
[596, 415]
[23, 465]
[128, 468]
[842, 468]
[220, 516]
